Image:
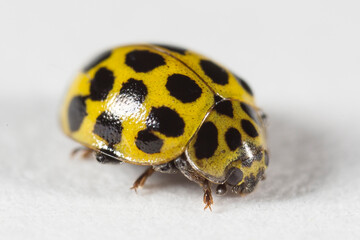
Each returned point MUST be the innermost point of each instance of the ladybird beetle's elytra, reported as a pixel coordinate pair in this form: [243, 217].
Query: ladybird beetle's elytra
[173, 110]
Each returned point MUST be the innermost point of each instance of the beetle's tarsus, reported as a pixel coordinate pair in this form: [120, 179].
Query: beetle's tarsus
[142, 179]
[208, 200]
[85, 152]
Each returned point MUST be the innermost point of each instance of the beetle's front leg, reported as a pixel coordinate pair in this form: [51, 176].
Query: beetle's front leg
[208, 200]
[184, 167]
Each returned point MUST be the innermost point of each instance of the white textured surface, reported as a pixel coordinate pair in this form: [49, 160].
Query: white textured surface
[302, 59]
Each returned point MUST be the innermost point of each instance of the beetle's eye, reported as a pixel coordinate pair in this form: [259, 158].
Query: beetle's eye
[236, 175]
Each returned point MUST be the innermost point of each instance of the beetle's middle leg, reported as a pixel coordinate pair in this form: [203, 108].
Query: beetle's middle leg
[142, 179]
[163, 168]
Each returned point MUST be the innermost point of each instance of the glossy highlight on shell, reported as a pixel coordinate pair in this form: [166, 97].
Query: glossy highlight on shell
[169, 108]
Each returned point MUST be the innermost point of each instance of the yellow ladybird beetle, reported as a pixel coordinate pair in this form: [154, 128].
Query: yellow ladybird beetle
[173, 110]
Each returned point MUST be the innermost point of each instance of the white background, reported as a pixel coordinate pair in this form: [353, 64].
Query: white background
[302, 60]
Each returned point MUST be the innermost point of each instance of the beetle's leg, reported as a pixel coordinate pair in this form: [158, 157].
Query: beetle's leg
[85, 152]
[208, 200]
[141, 180]
[184, 167]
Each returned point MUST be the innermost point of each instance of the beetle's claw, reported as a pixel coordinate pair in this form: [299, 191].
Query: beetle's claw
[138, 184]
[208, 200]
[135, 187]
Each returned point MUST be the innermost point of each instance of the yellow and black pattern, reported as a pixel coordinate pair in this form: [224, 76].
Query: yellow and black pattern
[230, 145]
[137, 104]
[218, 78]
[148, 104]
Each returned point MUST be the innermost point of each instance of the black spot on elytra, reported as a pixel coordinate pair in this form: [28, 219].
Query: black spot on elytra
[97, 60]
[76, 112]
[250, 111]
[134, 89]
[206, 141]
[244, 85]
[235, 177]
[165, 121]
[217, 74]
[173, 48]
[183, 88]
[148, 142]
[101, 84]
[266, 158]
[225, 108]
[233, 138]
[108, 127]
[249, 128]
[217, 98]
[144, 60]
